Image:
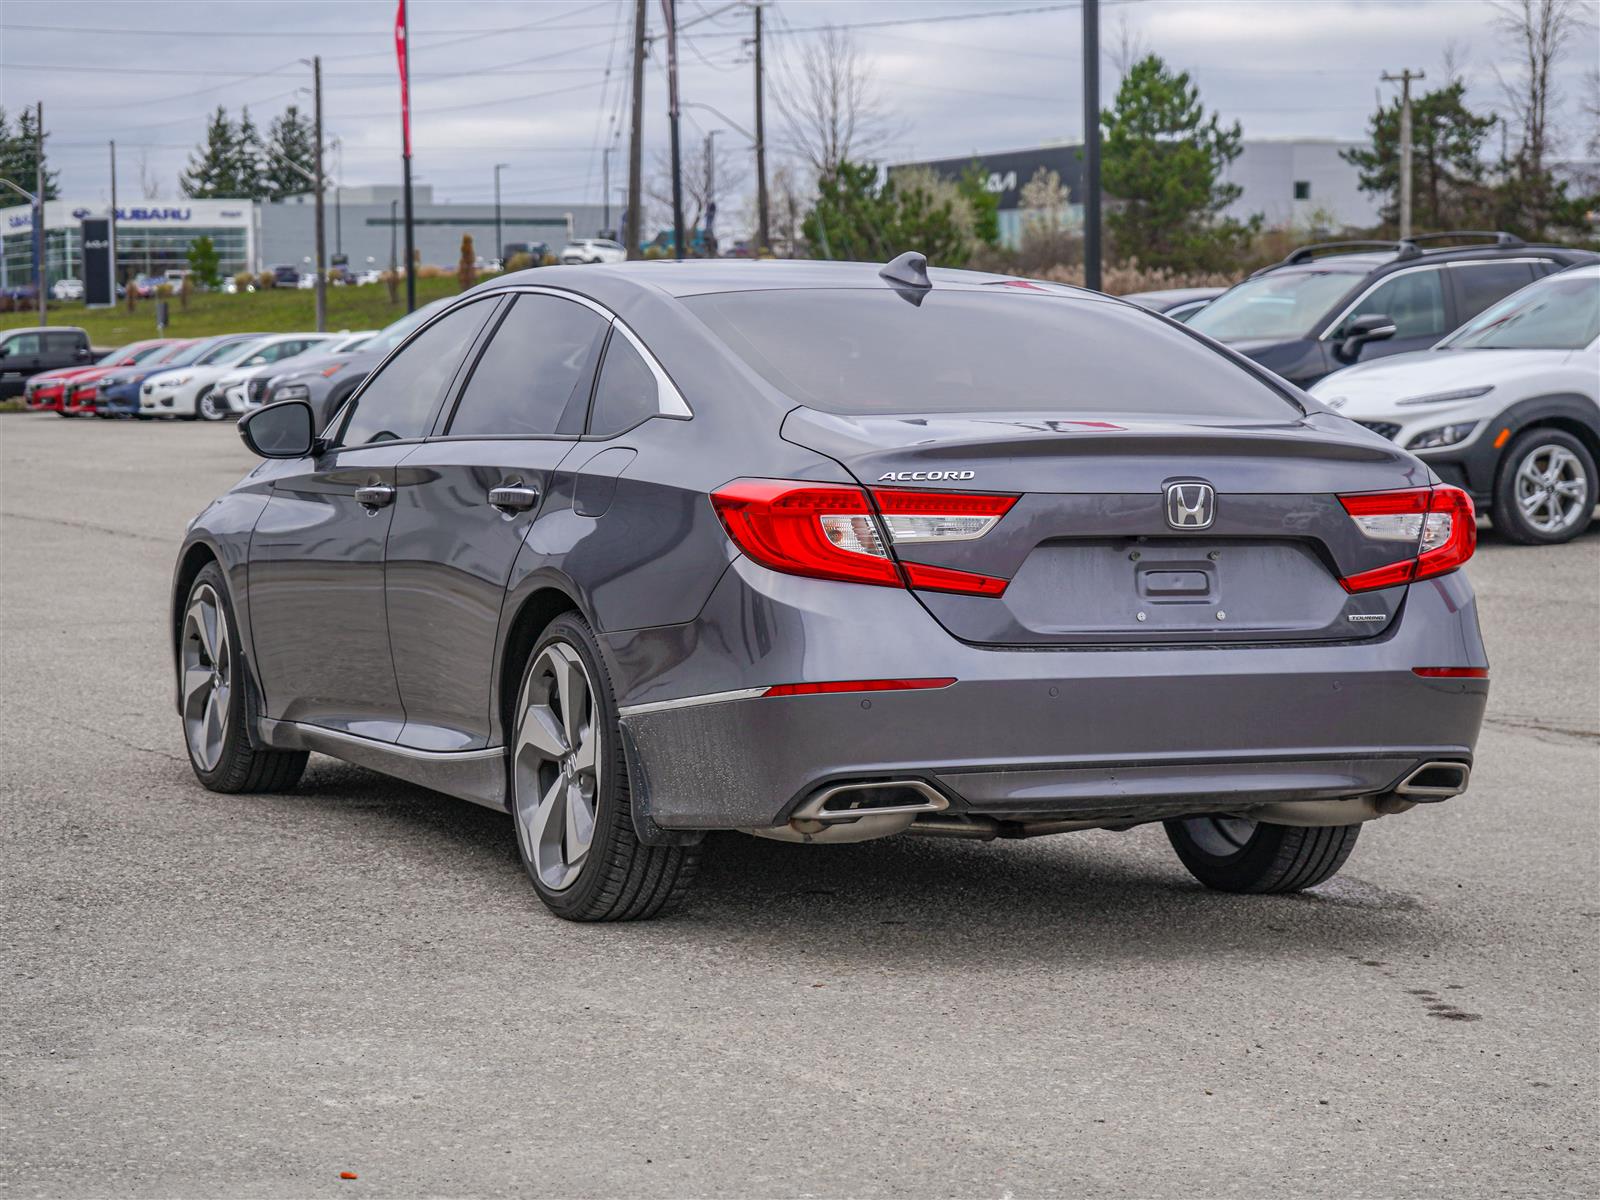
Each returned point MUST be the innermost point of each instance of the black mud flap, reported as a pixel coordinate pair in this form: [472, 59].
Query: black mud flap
[647, 830]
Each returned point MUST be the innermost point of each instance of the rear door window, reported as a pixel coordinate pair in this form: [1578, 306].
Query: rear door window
[532, 380]
[1479, 285]
[626, 392]
[1415, 301]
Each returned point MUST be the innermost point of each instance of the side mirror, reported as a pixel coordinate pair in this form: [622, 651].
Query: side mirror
[82, 354]
[281, 430]
[1368, 327]
[5, 349]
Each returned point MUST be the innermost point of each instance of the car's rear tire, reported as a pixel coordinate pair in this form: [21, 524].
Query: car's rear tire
[570, 799]
[206, 406]
[1547, 488]
[1231, 854]
[211, 682]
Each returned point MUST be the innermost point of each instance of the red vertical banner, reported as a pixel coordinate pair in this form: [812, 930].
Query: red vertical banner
[400, 55]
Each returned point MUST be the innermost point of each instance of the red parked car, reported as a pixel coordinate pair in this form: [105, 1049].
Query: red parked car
[80, 394]
[45, 392]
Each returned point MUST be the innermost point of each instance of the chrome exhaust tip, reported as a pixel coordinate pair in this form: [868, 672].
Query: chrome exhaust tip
[871, 798]
[1435, 781]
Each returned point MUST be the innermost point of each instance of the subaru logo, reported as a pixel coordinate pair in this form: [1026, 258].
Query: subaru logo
[1191, 505]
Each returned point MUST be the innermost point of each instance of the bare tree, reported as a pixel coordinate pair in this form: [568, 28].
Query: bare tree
[1128, 46]
[831, 111]
[1541, 31]
[149, 187]
[732, 168]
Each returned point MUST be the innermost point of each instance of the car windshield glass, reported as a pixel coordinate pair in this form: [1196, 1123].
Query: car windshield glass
[120, 354]
[228, 355]
[191, 354]
[1554, 314]
[997, 350]
[1283, 304]
[390, 336]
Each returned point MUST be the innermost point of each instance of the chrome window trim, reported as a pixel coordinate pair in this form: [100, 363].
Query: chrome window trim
[1327, 334]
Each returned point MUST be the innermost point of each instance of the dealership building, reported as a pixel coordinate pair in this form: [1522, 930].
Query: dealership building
[363, 224]
[1300, 182]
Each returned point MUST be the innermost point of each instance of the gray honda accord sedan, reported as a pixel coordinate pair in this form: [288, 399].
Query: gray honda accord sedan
[827, 552]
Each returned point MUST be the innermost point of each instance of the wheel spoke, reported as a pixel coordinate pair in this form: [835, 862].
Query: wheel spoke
[573, 689]
[542, 732]
[194, 680]
[208, 629]
[580, 825]
[545, 831]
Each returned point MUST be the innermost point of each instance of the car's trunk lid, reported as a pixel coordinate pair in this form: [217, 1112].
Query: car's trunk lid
[1089, 549]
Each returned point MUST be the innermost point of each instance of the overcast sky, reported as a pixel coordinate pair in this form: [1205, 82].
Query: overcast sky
[542, 85]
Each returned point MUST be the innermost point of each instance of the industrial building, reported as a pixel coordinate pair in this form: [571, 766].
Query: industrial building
[1301, 182]
[365, 226]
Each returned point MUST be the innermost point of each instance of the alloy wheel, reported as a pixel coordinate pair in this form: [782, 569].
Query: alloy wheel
[556, 766]
[207, 677]
[1551, 488]
[1220, 836]
[206, 405]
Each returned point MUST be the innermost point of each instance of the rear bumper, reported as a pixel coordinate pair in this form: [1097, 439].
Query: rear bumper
[1074, 733]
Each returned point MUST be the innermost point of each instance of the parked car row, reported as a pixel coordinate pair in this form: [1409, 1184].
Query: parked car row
[206, 379]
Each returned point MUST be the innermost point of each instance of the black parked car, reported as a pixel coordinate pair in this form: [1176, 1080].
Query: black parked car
[1336, 303]
[26, 352]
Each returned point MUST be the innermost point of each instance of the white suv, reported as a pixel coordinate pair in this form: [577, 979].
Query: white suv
[593, 250]
[1507, 406]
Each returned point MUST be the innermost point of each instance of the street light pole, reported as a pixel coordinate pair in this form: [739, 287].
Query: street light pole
[38, 215]
[322, 232]
[499, 237]
[1091, 144]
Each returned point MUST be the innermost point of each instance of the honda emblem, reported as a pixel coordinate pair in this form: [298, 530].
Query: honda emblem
[1191, 505]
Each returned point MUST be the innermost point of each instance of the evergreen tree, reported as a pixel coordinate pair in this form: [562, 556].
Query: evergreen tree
[249, 175]
[291, 136]
[985, 204]
[211, 170]
[19, 154]
[204, 261]
[1163, 161]
[1447, 168]
[857, 218]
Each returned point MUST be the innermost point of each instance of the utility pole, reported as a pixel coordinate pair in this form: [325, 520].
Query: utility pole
[499, 237]
[605, 190]
[113, 237]
[1091, 144]
[711, 192]
[394, 226]
[636, 134]
[762, 229]
[38, 212]
[322, 232]
[670, 8]
[1404, 80]
[403, 39]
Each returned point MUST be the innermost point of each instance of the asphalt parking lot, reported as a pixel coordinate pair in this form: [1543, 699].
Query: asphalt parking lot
[248, 995]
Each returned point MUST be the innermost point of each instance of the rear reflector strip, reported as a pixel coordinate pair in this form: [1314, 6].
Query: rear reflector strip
[1451, 672]
[856, 685]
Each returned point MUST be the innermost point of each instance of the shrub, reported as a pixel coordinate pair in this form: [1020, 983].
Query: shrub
[549, 260]
[244, 281]
[467, 264]
[520, 261]
[266, 280]
[163, 291]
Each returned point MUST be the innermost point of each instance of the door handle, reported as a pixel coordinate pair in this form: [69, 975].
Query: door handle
[375, 495]
[513, 499]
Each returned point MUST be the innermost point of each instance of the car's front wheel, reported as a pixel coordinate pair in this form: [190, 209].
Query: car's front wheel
[1546, 491]
[569, 790]
[1232, 854]
[207, 407]
[211, 684]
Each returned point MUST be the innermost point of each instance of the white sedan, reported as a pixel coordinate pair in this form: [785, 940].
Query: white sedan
[190, 392]
[67, 289]
[593, 250]
[1507, 406]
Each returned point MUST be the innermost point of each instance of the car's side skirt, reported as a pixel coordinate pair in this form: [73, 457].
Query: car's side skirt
[475, 775]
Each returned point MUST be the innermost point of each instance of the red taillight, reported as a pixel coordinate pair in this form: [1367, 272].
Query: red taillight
[823, 530]
[1437, 525]
[856, 685]
[1451, 672]
[833, 531]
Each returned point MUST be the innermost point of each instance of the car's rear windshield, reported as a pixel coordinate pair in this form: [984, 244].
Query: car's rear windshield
[1279, 305]
[962, 350]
